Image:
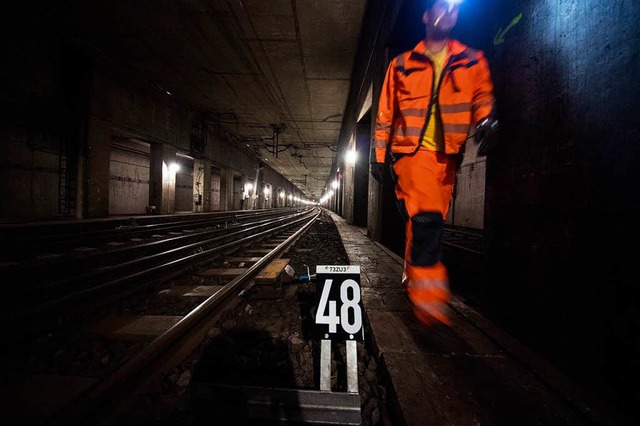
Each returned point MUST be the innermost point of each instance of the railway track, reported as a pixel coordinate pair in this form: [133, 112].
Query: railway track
[187, 286]
[34, 243]
[54, 285]
[464, 239]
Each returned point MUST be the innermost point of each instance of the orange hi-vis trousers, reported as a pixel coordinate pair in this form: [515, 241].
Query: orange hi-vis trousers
[424, 186]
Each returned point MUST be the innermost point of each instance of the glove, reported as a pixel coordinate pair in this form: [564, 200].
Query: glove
[377, 171]
[486, 136]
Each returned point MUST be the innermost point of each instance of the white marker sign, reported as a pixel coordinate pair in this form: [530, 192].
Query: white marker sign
[339, 309]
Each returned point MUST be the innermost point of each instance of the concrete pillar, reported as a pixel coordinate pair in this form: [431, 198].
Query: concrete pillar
[81, 208]
[260, 204]
[95, 187]
[162, 177]
[202, 185]
[225, 189]
[278, 198]
[348, 179]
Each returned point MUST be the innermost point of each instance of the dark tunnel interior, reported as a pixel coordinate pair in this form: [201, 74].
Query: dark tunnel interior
[561, 192]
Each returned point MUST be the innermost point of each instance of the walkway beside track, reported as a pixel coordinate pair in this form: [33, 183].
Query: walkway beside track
[471, 373]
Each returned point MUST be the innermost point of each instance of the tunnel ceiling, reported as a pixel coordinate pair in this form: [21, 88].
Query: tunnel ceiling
[259, 68]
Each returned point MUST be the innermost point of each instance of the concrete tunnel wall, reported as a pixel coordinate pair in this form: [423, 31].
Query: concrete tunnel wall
[63, 108]
[560, 190]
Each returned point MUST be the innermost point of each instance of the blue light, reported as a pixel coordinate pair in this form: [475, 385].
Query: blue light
[453, 3]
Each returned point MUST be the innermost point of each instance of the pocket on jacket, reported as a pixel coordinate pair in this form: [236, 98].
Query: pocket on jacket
[412, 86]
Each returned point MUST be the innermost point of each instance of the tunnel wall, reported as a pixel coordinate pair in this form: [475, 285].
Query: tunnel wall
[184, 185]
[43, 94]
[467, 206]
[561, 195]
[62, 105]
[369, 64]
[129, 181]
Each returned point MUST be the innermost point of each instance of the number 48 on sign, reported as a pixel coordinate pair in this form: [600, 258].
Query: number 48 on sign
[339, 302]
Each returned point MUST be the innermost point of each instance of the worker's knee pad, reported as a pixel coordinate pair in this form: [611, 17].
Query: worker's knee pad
[427, 233]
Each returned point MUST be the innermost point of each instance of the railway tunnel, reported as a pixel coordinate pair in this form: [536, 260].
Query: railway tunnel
[137, 120]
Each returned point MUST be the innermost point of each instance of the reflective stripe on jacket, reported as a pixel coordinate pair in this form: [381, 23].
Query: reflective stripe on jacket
[465, 97]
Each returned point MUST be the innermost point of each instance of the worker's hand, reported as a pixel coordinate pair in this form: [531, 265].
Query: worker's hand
[377, 171]
[486, 136]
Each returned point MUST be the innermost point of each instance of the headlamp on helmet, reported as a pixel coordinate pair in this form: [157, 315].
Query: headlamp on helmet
[452, 3]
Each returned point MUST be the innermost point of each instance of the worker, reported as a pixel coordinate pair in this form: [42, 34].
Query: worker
[433, 99]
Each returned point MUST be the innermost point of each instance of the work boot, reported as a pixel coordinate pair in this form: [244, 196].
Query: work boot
[429, 297]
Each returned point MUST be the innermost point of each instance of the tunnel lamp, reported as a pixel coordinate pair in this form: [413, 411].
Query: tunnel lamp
[334, 184]
[351, 157]
[174, 167]
[282, 194]
[266, 191]
[290, 197]
[249, 186]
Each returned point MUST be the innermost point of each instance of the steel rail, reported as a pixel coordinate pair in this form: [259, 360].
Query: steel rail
[176, 265]
[458, 247]
[176, 251]
[26, 246]
[95, 397]
[34, 275]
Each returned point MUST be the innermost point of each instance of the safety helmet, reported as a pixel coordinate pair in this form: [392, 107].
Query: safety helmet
[451, 3]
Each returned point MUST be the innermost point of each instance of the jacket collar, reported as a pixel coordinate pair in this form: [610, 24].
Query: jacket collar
[418, 58]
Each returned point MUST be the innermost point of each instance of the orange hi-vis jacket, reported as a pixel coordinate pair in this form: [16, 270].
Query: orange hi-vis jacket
[464, 96]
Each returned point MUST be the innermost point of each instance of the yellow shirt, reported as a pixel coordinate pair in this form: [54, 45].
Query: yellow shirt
[434, 136]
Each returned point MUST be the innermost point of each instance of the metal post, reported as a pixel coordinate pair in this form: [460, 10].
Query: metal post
[352, 367]
[325, 365]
